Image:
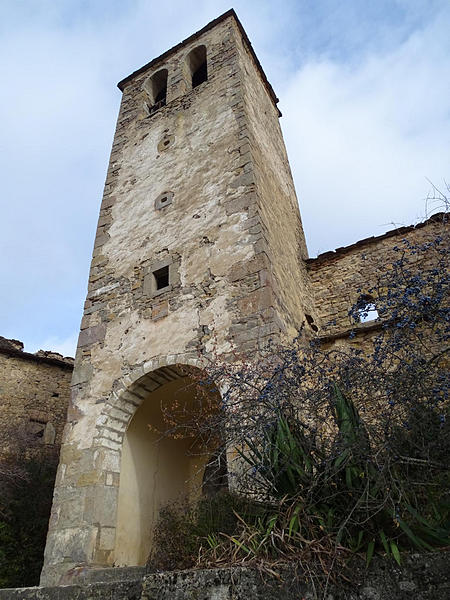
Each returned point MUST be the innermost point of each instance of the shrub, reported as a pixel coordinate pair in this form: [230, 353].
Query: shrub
[24, 522]
[184, 530]
[345, 449]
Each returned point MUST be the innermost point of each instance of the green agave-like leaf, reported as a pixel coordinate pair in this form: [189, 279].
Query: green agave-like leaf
[385, 542]
[345, 453]
[396, 552]
[240, 545]
[416, 540]
[294, 522]
[348, 477]
[330, 515]
[370, 551]
[438, 534]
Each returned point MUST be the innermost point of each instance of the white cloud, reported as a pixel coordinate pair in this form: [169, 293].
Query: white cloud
[363, 138]
[65, 346]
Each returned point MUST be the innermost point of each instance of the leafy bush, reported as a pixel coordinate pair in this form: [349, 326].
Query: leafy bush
[344, 448]
[341, 488]
[185, 529]
[24, 522]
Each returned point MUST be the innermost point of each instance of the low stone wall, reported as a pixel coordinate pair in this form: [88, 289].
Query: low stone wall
[119, 590]
[421, 577]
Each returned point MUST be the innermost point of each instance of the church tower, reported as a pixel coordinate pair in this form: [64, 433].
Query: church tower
[199, 251]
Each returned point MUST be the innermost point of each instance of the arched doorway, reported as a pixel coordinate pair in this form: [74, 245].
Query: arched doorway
[161, 462]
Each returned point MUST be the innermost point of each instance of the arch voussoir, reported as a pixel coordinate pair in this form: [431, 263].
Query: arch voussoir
[131, 390]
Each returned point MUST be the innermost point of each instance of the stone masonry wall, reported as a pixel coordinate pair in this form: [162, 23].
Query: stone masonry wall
[34, 393]
[422, 577]
[229, 234]
[337, 276]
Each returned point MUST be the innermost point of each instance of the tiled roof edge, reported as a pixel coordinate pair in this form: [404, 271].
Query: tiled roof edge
[335, 254]
[11, 348]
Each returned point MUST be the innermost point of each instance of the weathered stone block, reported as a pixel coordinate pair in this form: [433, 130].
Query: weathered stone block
[83, 372]
[256, 301]
[160, 310]
[92, 335]
[100, 505]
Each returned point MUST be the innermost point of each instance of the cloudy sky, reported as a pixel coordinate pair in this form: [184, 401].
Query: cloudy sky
[363, 86]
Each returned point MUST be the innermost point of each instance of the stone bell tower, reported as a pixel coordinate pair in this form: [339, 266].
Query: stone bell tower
[199, 249]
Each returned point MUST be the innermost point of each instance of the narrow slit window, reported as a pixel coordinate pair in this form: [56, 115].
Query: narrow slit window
[310, 321]
[37, 427]
[198, 67]
[161, 278]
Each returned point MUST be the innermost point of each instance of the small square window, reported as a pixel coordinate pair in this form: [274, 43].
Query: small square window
[161, 278]
[163, 200]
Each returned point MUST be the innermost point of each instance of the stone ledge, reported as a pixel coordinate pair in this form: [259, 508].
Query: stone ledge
[352, 332]
[15, 348]
[331, 255]
[422, 577]
[110, 575]
[117, 590]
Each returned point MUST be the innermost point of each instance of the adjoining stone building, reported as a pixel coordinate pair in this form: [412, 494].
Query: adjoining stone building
[34, 396]
[199, 251]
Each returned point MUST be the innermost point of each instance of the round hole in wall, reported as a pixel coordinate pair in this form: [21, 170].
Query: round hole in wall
[163, 199]
[165, 143]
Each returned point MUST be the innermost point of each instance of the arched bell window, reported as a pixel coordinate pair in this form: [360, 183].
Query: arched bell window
[197, 65]
[156, 88]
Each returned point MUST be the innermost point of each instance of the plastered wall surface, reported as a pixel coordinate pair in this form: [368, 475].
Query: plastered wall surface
[176, 463]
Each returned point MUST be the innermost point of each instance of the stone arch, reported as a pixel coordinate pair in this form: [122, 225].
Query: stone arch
[130, 391]
[150, 469]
